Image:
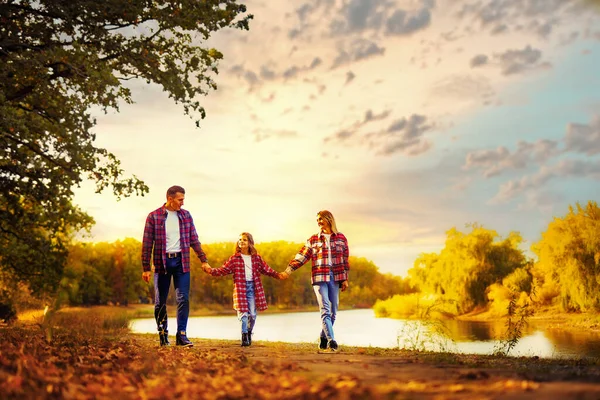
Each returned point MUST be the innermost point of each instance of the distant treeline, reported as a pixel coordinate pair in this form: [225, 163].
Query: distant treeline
[480, 271]
[105, 273]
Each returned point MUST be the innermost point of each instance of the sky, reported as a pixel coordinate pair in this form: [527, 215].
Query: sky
[403, 118]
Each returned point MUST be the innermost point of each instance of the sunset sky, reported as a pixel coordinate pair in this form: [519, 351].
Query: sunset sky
[403, 118]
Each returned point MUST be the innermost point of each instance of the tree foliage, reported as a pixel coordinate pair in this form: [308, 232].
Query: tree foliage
[103, 273]
[467, 266]
[60, 59]
[568, 267]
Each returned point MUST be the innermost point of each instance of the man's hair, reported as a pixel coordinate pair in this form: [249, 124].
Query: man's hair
[328, 216]
[173, 190]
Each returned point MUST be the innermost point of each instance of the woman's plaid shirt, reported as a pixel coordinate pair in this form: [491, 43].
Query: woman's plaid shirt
[316, 250]
[155, 236]
[235, 266]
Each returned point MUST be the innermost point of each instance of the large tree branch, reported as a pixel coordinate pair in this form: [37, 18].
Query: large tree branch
[37, 150]
[38, 111]
[21, 7]
[59, 72]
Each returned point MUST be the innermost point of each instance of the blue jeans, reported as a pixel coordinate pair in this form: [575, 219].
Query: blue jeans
[162, 283]
[248, 318]
[328, 298]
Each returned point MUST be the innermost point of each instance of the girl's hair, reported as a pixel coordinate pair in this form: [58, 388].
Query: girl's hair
[250, 243]
[328, 216]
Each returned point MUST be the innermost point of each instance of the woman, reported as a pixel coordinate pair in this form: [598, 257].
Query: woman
[328, 251]
[248, 293]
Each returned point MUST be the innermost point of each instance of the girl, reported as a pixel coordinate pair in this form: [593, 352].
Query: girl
[248, 293]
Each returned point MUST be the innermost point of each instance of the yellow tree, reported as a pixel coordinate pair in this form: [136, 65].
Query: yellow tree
[568, 268]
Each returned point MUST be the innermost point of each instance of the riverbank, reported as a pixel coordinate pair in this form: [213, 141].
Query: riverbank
[551, 317]
[101, 360]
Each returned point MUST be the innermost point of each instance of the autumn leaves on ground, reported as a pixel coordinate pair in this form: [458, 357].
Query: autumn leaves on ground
[90, 354]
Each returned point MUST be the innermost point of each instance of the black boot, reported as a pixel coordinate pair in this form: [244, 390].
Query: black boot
[249, 338]
[322, 343]
[182, 340]
[164, 338]
[245, 341]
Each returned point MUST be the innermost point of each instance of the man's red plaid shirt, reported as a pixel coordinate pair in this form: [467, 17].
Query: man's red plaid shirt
[155, 236]
[235, 266]
[316, 250]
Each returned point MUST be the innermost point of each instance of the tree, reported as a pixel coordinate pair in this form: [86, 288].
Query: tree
[568, 264]
[58, 59]
[467, 266]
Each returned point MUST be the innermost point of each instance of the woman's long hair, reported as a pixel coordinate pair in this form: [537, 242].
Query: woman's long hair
[251, 248]
[328, 216]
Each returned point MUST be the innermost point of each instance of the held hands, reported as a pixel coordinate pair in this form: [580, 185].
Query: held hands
[283, 275]
[206, 267]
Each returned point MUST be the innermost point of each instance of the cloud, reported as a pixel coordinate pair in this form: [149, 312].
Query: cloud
[402, 23]
[512, 61]
[267, 73]
[499, 160]
[264, 134]
[503, 16]
[404, 135]
[463, 86]
[352, 131]
[584, 138]
[564, 169]
[356, 18]
[349, 77]
[359, 49]
[516, 61]
[579, 140]
[480, 59]
[359, 15]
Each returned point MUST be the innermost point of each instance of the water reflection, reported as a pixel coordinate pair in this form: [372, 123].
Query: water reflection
[361, 328]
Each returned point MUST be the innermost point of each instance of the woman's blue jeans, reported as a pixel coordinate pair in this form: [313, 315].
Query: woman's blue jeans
[328, 298]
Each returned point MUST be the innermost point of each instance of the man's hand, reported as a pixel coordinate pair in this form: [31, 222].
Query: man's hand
[146, 276]
[344, 285]
[206, 267]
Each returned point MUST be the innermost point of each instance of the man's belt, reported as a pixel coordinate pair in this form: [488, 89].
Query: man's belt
[173, 255]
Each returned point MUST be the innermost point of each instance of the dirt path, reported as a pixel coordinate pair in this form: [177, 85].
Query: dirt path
[416, 375]
[84, 365]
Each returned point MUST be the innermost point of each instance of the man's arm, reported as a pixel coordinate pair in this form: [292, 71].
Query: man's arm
[147, 244]
[195, 242]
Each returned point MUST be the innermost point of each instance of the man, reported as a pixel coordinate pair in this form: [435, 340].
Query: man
[328, 251]
[170, 232]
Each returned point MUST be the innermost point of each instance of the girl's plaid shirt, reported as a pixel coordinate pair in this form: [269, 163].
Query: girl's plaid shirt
[316, 250]
[155, 236]
[235, 266]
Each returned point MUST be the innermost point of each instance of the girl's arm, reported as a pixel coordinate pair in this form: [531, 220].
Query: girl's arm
[264, 268]
[226, 269]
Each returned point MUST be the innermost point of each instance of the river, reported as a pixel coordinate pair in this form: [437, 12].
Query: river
[362, 328]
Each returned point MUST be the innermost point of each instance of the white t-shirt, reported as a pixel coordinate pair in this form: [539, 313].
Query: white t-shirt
[248, 264]
[172, 225]
[328, 243]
